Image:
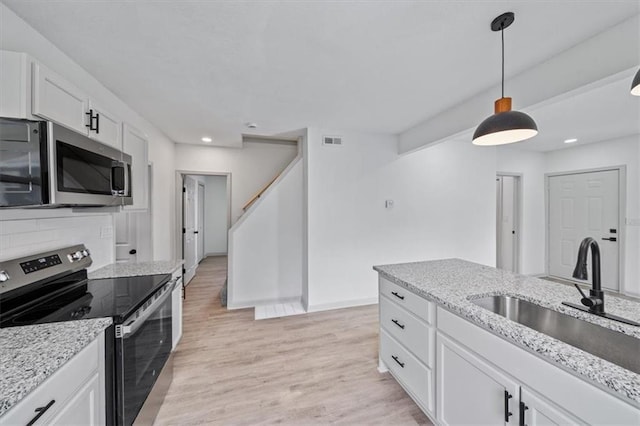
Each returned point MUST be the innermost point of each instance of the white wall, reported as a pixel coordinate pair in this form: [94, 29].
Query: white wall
[216, 211]
[251, 167]
[531, 165]
[17, 35]
[444, 207]
[265, 245]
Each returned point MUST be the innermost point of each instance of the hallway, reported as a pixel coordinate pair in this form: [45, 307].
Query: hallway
[307, 369]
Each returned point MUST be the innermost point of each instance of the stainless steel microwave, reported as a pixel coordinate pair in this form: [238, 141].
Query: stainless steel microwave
[43, 164]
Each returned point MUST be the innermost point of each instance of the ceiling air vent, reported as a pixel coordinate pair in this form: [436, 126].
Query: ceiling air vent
[332, 140]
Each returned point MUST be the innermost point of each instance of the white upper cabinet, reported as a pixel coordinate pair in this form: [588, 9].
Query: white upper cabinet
[56, 99]
[135, 144]
[105, 126]
[15, 85]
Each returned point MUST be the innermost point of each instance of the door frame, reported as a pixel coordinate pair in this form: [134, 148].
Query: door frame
[179, 180]
[622, 213]
[517, 222]
[199, 208]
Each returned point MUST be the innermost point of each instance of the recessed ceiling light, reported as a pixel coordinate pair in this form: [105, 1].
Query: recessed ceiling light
[572, 140]
[206, 139]
[252, 125]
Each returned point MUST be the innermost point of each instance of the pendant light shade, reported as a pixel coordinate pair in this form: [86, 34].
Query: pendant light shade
[505, 126]
[635, 86]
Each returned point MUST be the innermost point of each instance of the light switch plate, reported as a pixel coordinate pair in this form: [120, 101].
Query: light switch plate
[633, 222]
[388, 204]
[106, 232]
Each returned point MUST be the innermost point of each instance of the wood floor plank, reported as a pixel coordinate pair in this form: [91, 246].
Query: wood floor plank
[307, 369]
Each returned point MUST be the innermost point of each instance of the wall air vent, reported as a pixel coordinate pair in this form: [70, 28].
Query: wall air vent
[332, 140]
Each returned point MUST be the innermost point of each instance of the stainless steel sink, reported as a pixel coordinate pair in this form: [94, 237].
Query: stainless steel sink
[613, 346]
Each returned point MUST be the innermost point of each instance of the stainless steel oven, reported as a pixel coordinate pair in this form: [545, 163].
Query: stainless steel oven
[143, 366]
[43, 164]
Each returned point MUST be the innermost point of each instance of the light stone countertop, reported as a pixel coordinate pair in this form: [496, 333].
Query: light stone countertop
[32, 353]
[116, 270]
[452, 283]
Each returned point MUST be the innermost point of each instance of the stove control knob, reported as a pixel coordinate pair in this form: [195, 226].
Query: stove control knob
[4, 276]
[85, 253]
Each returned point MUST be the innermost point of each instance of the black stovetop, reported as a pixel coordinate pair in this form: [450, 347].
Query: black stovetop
[75, 297]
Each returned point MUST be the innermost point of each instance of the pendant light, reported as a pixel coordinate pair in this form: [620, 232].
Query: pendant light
[635, 86]
[505, 126]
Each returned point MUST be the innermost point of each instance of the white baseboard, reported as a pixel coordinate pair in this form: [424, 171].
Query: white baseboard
[343, 304]
[259, 302]
[222, 253]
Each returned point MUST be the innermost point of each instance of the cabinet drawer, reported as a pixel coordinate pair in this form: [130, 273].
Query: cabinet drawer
[411, 332]
[59, 387]
[415, 377]
[412, 302]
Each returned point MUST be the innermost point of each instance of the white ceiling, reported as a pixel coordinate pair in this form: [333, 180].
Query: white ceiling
[605, 113]
[196, 68]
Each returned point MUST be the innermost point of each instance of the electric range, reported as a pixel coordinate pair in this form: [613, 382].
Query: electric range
[53, 287]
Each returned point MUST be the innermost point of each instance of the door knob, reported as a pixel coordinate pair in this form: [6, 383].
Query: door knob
[133, 251]
[610, 239]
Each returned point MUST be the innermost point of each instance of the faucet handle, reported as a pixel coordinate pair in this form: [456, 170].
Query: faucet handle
[589, 301]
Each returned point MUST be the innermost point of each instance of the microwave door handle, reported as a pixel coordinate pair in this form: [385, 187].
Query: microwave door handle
[133, 326]
[127, 188]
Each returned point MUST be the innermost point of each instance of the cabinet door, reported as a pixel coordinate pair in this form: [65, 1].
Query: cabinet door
[108, 127]
[14, 87]
[537, 410]
[56, 99]
[176, 307]
[470, 391]
[135, 144]
[82, 408]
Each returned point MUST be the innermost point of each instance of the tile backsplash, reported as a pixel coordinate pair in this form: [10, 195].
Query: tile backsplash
[19, 237]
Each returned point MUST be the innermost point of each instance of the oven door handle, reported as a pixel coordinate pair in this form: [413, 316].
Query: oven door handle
[133, 326]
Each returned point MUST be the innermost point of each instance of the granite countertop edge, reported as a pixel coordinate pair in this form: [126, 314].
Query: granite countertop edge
[604, 374]
[116, 270]
[30, 354]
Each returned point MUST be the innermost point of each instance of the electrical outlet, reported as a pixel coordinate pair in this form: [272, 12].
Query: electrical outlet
[106, 232]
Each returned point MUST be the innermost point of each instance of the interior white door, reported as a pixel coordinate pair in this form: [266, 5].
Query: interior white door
[584, 205]
[126, 237]
[189, 223]
[200, 223]
[506, 223]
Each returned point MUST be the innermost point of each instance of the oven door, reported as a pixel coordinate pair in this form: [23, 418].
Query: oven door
[86, 172]
[142, 350]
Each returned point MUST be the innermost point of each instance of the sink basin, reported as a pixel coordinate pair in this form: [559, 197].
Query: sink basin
[611, 345]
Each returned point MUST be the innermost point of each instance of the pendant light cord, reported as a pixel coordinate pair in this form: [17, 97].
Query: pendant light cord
[502, 35]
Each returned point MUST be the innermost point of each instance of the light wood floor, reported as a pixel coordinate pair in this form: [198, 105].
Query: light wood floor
[306, 369]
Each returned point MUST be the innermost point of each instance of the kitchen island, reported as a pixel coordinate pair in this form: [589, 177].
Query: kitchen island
[449, 319]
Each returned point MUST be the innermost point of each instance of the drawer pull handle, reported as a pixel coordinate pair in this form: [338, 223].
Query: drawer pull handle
[395, 358]
[397, 295]
[507, 413]
[41, 411]
[395, 321]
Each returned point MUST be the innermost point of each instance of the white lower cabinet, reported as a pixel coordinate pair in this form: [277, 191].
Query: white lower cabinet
[83, 408]
[407, 342]
[470, 391]
[176, 310]
[73, 395]
[536, 410]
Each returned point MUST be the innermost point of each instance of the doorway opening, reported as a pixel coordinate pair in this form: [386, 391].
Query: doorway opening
[584, 204]
[205, 218]
[508, 221]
